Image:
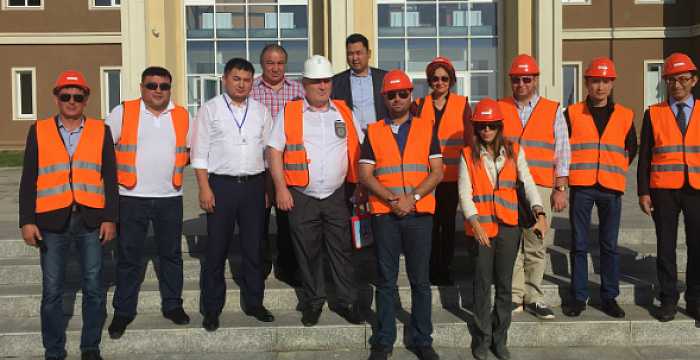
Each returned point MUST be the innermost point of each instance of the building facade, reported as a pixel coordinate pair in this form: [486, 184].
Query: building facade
[112, 41]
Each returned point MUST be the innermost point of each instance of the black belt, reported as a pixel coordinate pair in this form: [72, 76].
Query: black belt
[240, 179]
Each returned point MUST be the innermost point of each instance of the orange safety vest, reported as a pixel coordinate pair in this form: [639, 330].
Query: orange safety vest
[537, 138]
[296, 163]
[672, 150]
[126, 146]
[493, 205]
[401, 174]
[63, 180]
[450, 132]
[598, 159]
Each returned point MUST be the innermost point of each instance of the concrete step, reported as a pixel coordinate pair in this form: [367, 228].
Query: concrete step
[152, 334]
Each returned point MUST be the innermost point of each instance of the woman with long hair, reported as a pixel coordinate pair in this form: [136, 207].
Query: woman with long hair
[451, 117]
[490, 170]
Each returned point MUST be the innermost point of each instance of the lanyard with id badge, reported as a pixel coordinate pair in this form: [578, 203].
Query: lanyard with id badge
[240, 139]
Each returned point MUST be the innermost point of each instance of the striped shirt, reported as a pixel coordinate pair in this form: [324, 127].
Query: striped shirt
[275, 100]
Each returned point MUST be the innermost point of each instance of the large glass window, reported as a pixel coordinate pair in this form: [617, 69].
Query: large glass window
[218, 30]
[413, 32]
[654, 85]
[571, 89]
[24, 93]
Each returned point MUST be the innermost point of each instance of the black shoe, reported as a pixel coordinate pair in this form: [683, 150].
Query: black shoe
[177, 316]
[693, 310]
[118, 326]
[309, 317]
[91, 355]
[426, 353]
[351, 314]
[611, 308]
[54, 358]
[210, 322]
[540, 309]
[501, 352]
[666, 312]
[575, 308]
[480, 352]
[379, 353]
[260, 313]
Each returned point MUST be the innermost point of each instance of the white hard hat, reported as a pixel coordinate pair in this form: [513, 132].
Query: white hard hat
[317, 67]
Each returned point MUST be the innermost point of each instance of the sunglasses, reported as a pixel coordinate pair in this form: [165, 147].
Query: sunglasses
[153, 86]
[404, 94]
[491, 126]
[444, 79]
[79, 98]
[519, 79]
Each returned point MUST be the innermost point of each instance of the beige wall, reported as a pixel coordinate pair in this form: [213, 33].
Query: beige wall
[13, 132]
[60, 16]
[625, 13]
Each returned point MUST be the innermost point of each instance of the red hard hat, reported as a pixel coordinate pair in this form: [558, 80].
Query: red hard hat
[396, 80]
[442, 60]
[678, 63]
[601, 67]
[524, 64]
[487, 110]
[71, 78]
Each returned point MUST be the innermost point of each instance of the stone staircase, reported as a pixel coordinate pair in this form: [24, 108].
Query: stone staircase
[150, 333]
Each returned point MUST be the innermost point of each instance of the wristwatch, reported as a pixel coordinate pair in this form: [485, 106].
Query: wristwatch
[560, 188]
[417, 197]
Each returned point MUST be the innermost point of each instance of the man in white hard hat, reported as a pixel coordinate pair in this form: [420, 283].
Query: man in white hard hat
[313, 151]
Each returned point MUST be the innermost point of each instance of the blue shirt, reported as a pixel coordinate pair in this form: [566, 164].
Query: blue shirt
[70, 137]
[363, 99]
[687, 109]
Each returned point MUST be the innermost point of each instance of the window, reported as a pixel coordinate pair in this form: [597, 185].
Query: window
[411, 34]
[24, 93]
[571, 83]
[23, 4]
[654, 2]
[654, 85]
[576, 2]
[105, 3]
[111, 85]
[218, 30]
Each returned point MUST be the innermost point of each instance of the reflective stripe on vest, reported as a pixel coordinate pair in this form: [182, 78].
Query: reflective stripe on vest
[450, 132]
[56, 170]
[294, 158]
[673, 151]
[401, 173]
[126, 146]
[598, 159]
[537, 138]
[492, 205]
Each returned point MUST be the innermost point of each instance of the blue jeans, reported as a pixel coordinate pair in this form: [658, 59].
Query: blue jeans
[412, 235]
[54, 253]
[609, 209]
[135, 215]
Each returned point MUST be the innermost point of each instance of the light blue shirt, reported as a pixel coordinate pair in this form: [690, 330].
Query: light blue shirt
[687, 109]
[363, 99]
[72, 137]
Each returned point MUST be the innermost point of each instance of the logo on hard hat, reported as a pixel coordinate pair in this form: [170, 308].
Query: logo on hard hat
[395, 81]
[602, 67]
[678, 64]
[74, 78]
[487, 112]
[523, 66]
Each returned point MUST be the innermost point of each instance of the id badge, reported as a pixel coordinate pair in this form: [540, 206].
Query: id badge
[340, 130]
[240, 140]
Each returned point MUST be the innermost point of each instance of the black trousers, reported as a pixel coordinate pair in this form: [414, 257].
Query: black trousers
[242, 203]
[317, 224]
[494, 265]
[443, 248]
[286, 261]
[668, 204]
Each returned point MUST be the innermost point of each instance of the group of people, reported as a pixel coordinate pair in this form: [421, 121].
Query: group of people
[315, 150]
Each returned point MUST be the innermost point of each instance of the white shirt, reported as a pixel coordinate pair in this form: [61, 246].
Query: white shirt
[155, 152]
[327, 152]
[220, 147]
[493, 167]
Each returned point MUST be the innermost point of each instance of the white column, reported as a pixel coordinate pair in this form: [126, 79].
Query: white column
[134, 52]
[548, 47]
[340, 27]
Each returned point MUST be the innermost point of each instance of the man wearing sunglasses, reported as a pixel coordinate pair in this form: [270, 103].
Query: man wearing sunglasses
[668, 182]
[538, 125]
[151, 136]
[401, 164]
[313, 149]
[68, 194]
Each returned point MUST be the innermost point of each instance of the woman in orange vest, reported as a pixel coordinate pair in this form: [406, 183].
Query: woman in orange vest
[489, 171]
[603, 143]
[450, 115]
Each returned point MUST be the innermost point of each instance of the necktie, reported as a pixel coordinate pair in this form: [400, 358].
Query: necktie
[680, 117]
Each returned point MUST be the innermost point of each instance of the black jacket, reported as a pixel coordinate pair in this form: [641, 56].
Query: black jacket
[341, 90]
[57, 220]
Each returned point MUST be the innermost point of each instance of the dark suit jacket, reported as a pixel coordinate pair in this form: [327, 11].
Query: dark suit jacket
[57, 220]
[341, 90]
